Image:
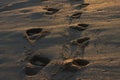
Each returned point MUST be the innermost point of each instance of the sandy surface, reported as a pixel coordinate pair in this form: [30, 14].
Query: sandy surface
[59, 40]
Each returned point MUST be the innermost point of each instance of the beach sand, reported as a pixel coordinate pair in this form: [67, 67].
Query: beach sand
[59, 39]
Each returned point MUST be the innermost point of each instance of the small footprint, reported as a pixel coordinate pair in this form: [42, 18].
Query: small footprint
[75, 64]
[51, 11]
[39, 60]
[81, 41]
[79, 27]
[75, 16]
[80, 6]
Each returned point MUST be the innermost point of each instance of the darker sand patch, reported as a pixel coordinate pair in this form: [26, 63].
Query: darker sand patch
[19, 5]
[25, 11]
[36, 15]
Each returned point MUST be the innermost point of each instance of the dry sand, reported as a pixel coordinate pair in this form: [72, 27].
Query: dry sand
[59, 39]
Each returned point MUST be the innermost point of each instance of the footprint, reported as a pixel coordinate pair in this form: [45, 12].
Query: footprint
[31, 32]
[51, 10]
[82, 41]
[74, 16]
[80, 62]
[35, 33]
[75, 64]
[39, 60]
[31, 70]
[80, 6]
[79, 27]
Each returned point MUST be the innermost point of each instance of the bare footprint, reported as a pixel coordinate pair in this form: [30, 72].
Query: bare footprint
[76, 64]
[80, 6]
[51, 10]
[81, 41]
[80, 62]
[75, 16]
[80, 27]
[39, 60]
[35, 33]
[36, 63]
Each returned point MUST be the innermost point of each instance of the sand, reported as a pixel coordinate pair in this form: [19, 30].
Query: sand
[59, 40]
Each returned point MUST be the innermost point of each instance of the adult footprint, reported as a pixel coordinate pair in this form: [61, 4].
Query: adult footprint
[79, 27]
[36, 33]
[51, 10]
[80, 62]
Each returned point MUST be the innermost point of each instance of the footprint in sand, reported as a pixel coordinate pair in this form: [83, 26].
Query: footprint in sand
[80, 6]
[79, 27]
[36, 63]
[51, 11]
[74, 16]
[75, 64]
[35, 33]
[31, 70]
[81, 41]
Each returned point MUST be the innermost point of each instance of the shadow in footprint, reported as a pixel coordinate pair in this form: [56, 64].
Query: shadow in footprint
[51, 11]
[80, 6]
[80, 62]
[79, 27]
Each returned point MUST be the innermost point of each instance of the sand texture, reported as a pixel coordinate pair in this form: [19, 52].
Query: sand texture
[59, 39]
